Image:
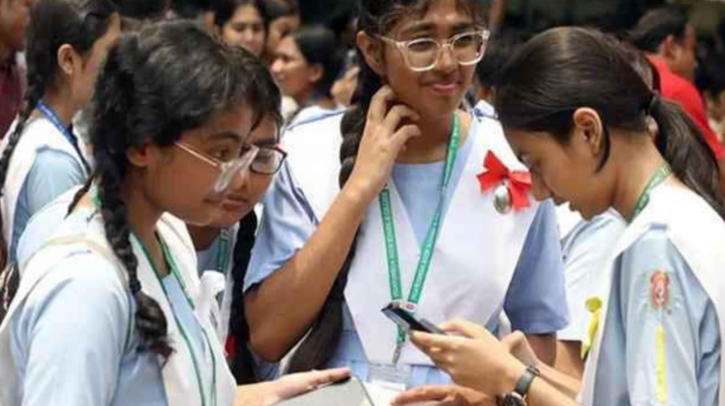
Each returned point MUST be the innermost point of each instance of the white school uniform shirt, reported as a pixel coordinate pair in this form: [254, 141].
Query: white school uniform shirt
[84, 236]
[446, 294]
[296, 202]
[311, 114]
[38, 134]
[311, 152]
[460, 265]
[658, 339]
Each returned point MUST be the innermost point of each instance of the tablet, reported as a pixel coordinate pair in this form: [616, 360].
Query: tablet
[350, 392]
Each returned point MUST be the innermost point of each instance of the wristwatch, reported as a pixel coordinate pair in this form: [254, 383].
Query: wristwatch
[518, 396]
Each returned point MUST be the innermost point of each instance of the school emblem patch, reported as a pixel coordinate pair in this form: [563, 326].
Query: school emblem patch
[660, 290]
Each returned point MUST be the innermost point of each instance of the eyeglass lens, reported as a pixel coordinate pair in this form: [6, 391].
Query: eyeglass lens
[267, 161]
[467, 49]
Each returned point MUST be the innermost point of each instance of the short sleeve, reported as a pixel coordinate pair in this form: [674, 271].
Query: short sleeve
[69, 335]
[52, 174]
[287, 224]
[586, 251]
[536, 299]
[40, 228]
[665, 310]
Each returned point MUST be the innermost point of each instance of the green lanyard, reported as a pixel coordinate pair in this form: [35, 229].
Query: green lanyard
[391, 245]
[174, 270]
[662, 173]
[223, 255]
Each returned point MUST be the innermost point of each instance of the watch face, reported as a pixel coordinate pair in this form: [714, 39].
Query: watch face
[513, 399]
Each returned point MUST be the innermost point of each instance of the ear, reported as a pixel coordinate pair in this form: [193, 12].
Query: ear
[316, 72]
[66, 56]
[589, 130]
[142, 156]
[669, 47]
[372, 52]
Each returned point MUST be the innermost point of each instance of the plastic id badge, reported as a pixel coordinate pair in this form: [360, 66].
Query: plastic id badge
[350, 392]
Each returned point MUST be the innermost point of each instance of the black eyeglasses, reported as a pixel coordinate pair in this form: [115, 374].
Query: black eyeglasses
[268, 161]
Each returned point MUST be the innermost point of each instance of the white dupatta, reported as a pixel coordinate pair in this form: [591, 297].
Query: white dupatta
[473, 263]
[698, 236]
[178, 374]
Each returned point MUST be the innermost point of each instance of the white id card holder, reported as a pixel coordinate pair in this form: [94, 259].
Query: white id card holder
[390, 376]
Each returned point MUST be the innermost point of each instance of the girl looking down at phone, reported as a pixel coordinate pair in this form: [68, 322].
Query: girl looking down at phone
[655, 335]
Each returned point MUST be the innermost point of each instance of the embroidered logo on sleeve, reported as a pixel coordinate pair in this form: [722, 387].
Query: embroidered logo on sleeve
[660, 290]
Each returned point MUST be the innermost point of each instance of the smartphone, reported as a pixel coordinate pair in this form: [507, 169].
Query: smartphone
[408, 321]
[348, 392]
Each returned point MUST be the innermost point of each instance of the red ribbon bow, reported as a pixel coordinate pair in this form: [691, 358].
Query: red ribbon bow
[518, 185]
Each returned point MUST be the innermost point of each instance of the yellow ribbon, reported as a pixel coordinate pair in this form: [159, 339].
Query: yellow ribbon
[594, 306]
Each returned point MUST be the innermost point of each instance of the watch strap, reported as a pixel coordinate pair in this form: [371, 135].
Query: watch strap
[522, 387]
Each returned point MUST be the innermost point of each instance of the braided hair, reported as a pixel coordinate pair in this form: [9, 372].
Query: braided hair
[376, 17]
[157, 84]
[268, 101]
[79, 23]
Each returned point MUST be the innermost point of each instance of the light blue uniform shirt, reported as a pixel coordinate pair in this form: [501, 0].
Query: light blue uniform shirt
[627, 372]
[70, 337]
[43, 225]
[52, 174]
[587, 249]
[536, 299]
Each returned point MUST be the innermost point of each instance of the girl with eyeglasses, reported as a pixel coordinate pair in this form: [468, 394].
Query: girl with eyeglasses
[224, 245]
[42, 157]
[111, 311]
[415, 221]
[601, 138]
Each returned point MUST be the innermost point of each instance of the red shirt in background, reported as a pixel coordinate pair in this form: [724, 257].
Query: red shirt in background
[11, 94]
[681, 91]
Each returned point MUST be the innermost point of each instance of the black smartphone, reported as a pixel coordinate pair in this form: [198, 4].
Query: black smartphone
[408, 321]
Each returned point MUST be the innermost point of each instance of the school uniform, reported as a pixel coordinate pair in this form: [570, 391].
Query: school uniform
[586, 247]
[483, 110]
[657, 335]
[483, 262]
[215, 264]
[311, 114]
[45, 163]
[70, 333]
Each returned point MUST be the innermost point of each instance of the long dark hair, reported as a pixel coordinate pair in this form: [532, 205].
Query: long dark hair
[376, 17]
[658, 24]
[157, 83]
[79, 23]
[319, 46]
[268, 101]
[564, 69]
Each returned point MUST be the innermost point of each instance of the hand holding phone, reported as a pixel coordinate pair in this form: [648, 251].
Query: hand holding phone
[408, 321]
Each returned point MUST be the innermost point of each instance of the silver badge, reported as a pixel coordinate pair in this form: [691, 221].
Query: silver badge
[502, 199]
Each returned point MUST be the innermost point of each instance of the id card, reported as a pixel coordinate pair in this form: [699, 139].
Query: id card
[390, 376]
